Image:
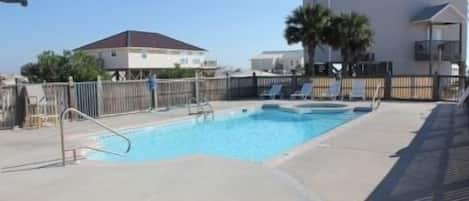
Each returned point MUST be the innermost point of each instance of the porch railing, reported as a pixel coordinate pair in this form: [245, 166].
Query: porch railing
[448, 50]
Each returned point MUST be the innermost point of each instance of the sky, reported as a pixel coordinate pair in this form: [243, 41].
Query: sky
[232, 31]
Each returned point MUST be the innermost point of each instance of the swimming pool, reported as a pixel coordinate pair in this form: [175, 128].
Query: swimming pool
[256, 135]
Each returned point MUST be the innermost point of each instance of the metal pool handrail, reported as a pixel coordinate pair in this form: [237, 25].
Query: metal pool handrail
[62, 136]
[376, 101]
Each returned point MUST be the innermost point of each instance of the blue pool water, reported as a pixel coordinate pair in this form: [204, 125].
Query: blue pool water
[252, 136]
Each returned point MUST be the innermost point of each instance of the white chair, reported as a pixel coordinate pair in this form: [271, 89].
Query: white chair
[274, 91]
[39, 107]
[305, 92]
[358, 89]
[334, 89]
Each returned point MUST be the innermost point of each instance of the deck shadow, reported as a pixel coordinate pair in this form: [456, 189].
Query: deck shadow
[435, 166]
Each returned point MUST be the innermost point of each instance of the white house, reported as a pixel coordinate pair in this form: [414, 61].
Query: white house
[135, 54]
[278, 61]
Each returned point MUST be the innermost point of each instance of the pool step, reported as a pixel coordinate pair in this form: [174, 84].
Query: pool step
[363, 109]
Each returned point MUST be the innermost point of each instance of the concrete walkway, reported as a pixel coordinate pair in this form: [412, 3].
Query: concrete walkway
[351, 160]
[357, 161]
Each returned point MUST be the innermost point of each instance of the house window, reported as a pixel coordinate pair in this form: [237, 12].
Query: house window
[144, 54]
[184, 61]
[113, 54]
[196, 61]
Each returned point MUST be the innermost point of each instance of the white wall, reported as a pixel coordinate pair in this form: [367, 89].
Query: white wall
[263, 64]
[165, 59]
[289, 60]
[133, 58]
[119, 61]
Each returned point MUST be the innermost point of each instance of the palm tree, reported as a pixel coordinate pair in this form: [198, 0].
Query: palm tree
[306, 25]
[22, 2]
[352, 34]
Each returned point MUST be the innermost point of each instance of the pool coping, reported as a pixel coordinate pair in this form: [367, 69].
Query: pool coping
[317, 142]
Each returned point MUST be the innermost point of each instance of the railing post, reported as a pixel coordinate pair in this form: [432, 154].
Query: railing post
[99, 96]
[387, 86]
[254, 84]
[436, 87]
[69, 94]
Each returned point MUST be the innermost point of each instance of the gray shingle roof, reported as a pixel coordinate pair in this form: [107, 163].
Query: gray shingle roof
[428, 12]
[140, 39]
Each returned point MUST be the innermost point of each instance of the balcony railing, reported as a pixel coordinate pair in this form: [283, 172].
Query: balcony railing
[449, 50]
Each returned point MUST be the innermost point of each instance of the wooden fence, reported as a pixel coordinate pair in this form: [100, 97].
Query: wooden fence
[104, 98]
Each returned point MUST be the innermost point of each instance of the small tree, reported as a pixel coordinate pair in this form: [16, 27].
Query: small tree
[352, 34]
[307, 25]
[52, 67]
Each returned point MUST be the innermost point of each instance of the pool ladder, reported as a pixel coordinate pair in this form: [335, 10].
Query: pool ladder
[200, 109]
[85, 116]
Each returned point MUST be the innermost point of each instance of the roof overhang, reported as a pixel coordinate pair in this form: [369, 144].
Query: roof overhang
[440, 14]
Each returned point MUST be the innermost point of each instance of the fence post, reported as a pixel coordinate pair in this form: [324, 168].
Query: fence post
[294, 81]
[99, 96]
[387, 86]
[254, 84]
[228, 86]
[436, 87]
[152, 85]
[18, 111]
[69, 94]
[197, 86]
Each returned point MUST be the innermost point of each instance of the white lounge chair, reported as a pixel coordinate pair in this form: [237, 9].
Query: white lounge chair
[274, 91]
[305, 92]
[39, 107]
[358, 89]
[463, 99]
[334, 90]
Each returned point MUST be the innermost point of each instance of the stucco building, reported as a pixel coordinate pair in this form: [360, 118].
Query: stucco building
[417, 36]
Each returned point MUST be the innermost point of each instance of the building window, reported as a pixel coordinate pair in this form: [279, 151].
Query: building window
[196, 61]
[113, 54]
[144, 54]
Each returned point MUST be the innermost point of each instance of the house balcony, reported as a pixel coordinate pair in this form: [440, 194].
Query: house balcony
[446, 50]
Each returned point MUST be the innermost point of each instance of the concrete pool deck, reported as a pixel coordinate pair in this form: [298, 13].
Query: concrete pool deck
[352, 162]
